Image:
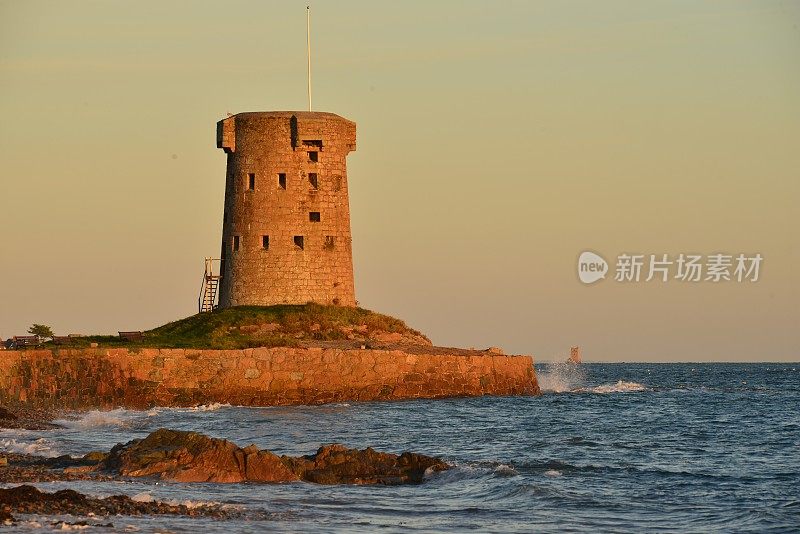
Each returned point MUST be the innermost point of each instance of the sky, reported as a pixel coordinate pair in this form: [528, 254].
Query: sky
[497, 141]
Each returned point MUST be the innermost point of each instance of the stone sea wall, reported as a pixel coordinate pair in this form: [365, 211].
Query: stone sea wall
[105, 378]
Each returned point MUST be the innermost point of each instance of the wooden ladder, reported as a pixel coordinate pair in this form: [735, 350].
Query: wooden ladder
[208, 291]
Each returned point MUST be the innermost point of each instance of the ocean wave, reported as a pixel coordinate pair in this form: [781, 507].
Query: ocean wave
[504, 470]
[563, 377]
[560, 377]
[211, 407]
[40, 447]
[119, 417]
[621, 386]
[188, 503]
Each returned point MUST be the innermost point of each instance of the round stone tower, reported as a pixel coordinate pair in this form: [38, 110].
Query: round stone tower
[286, 226]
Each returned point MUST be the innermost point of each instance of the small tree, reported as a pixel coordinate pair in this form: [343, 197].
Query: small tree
[41, 330]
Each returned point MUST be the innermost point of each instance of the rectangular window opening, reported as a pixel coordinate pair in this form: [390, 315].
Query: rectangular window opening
[282, 180]
[265, 242]
[313, 142]
[235, 243]
[251, 181]
[312, 179]
[330, 241]
[298, 242]
[313, 216]
[313, 156]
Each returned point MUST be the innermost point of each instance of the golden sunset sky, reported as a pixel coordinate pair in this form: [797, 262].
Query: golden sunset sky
[496, 142]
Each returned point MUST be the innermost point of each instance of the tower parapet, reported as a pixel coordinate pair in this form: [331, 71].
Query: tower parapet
[286, 225]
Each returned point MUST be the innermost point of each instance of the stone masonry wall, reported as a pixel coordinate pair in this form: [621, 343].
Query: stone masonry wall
[105, 378]
[286, 178]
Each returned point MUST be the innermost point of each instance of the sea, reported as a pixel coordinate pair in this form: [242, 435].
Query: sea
[629, 447]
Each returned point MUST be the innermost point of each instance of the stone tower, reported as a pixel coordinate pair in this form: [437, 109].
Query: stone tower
[286, 226]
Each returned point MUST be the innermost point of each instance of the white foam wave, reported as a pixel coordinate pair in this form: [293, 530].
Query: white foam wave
[552, 473]
[214, 406]
[190, 504]
[504, 470]
[561, 377]
[97, 418]
[142, 497]
[620, 387]
[63, 525]
[469, 471]
[41, 447]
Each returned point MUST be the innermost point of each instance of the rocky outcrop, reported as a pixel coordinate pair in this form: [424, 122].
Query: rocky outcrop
[336, 464]
[29, 500]
[131, 378]
[26, 418]
[192, 457]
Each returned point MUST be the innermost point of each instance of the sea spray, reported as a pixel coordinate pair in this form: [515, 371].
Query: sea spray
[567, 377]
[561, 377]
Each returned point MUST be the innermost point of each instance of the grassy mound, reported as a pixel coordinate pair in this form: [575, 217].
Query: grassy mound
[273, 326]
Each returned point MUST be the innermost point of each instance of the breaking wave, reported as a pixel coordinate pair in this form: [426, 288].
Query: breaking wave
[561, 377]
[620, 387]
[565, 377]
[212, 407]
[40, 447]
[120, 417]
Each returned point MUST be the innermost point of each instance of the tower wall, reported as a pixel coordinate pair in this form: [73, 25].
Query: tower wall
[286, 225]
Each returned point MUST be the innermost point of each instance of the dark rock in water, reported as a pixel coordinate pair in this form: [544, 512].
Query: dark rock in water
[192, 457]
[336, 464]
[29, 500]
[185, 457]
[24, 468]
[28, 419]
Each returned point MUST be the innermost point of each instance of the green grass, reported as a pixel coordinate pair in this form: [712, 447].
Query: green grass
[261, 326]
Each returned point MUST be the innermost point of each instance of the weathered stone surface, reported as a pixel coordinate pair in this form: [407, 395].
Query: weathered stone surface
[336, 464]
[286, 225]
[106, 378]
[27, 417]
[29, 500]
[191, 457]
[178, 456]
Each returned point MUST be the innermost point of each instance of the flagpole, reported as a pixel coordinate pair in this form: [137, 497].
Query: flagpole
[308, 51]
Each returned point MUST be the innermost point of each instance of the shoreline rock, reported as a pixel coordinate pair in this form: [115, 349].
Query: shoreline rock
[27, 499]
[181, 456]
[26, 418]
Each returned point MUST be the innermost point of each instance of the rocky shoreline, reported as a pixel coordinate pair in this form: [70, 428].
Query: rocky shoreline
[186, 457]
[27, 418]
[27, 499]
[181, 456]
